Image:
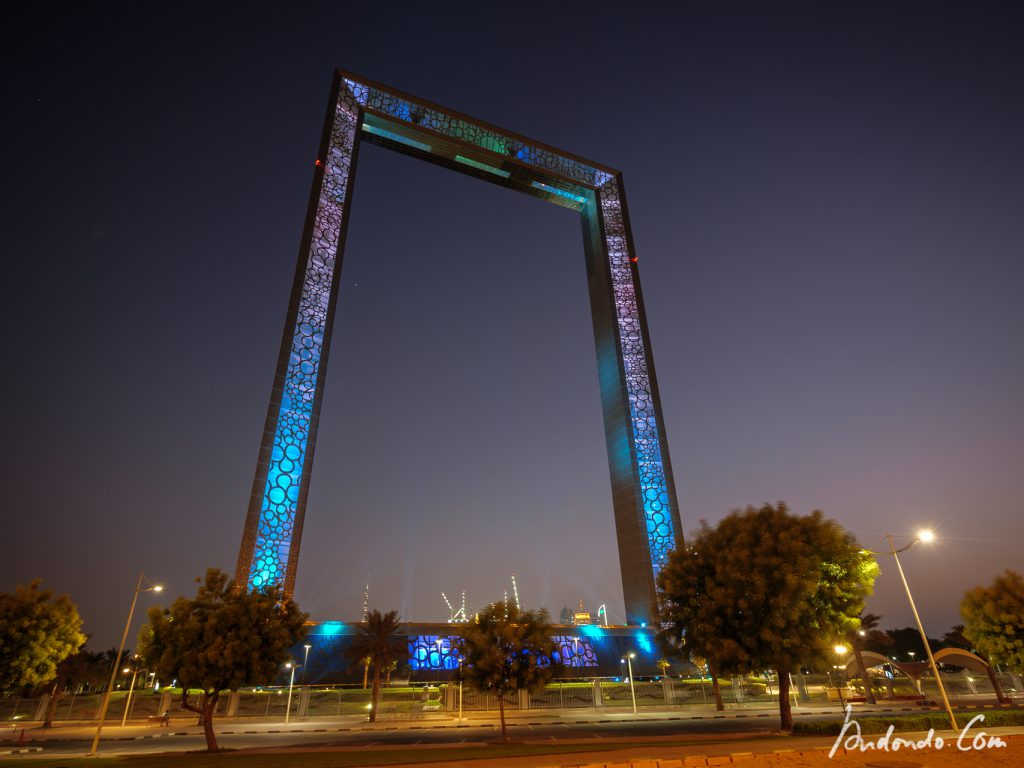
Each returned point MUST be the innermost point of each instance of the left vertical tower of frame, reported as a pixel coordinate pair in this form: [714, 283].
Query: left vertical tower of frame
[269, 553]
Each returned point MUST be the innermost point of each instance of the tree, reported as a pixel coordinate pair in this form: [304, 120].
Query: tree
[507, 649]
[994, 619]
[37, 632]
[767, 589]
[221, 639]
[690, 625]
[954, 638]
[81, 668]
[857, 639]
[377, 644]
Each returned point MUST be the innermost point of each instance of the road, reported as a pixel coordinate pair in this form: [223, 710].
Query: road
[746, 726]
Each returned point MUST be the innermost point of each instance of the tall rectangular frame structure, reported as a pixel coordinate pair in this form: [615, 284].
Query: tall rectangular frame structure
[647, 518]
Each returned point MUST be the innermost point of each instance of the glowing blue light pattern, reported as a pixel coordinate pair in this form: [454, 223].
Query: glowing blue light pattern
[426, 652]
[574, 651]
[448, 125]
[270, 543]
[276, 528]
[650, 468]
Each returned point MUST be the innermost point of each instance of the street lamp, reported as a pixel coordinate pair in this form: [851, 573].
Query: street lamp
[291, 686]
[840, 651]
[135, 672]
[305, 658]
[117, 661]
[925, 536]
[628, 660]
[460, 689]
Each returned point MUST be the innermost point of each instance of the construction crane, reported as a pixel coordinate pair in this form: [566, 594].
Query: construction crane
[456, 616]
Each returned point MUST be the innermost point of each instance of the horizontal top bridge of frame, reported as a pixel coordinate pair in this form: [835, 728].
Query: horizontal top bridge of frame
[417, 127]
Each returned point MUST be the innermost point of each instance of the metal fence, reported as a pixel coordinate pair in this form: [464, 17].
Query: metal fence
[409, 701]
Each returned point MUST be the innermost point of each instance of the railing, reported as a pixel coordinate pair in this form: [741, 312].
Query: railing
[406, 701]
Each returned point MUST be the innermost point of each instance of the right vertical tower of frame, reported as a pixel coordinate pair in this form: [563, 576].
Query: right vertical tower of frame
[361, 111]
[647, 521]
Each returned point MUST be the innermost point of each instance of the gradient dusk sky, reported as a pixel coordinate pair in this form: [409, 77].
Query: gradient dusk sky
[828, 206]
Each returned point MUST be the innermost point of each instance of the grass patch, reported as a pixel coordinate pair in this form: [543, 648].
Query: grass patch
[937, 720]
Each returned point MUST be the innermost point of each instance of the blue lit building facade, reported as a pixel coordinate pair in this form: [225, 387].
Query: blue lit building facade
[585, 651]
[360, 111]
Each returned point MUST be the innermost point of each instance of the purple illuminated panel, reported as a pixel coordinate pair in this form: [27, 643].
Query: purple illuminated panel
[650, 466]
[277, 519]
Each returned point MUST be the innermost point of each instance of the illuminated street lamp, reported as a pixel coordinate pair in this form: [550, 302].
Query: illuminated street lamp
[840, 651]
[117, 661]
[128, 703]
[291, 686]
[628, 661]
[925, 536]
[305, 659]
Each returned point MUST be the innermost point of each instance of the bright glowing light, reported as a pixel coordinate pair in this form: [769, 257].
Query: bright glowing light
[158, 588]
[926, 536]
[840, 649]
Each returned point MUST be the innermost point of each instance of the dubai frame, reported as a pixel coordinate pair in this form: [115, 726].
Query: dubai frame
[643, 492]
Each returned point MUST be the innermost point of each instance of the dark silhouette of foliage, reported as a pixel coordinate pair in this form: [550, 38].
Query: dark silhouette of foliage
[767, 589]
[221, 639]
[506, 650]
[378, 641]
[84, 668]
[858, 638]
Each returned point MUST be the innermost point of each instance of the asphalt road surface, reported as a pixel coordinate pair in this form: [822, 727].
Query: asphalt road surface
[308, 734]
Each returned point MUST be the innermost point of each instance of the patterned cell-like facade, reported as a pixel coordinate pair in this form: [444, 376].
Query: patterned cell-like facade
[646, 511]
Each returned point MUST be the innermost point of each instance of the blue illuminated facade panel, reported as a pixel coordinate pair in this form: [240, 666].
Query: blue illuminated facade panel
[270, 542]
[646, 512]
[652, 486]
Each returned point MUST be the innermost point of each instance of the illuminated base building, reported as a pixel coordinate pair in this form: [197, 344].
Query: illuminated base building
[586, 651]
[362, 112]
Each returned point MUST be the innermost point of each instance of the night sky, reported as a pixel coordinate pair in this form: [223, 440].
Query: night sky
[828, 206]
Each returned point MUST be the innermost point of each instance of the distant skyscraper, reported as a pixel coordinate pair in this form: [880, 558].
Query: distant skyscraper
[643, 491]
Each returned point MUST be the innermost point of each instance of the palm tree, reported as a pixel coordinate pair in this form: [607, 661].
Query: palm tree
[868, 622]
[377, 640]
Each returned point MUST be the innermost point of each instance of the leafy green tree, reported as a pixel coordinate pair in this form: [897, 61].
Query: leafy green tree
[221, 639]
[994, 619]
[37, 632]
[507, 650]
[770, 589]
[689, 616]
[377, 645]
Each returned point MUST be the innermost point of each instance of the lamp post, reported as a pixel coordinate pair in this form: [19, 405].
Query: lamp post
[117, 661]
[840, 651]
[628, 659]
[926, 537]
[131, 688]
[305, 659]
[291, 686]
